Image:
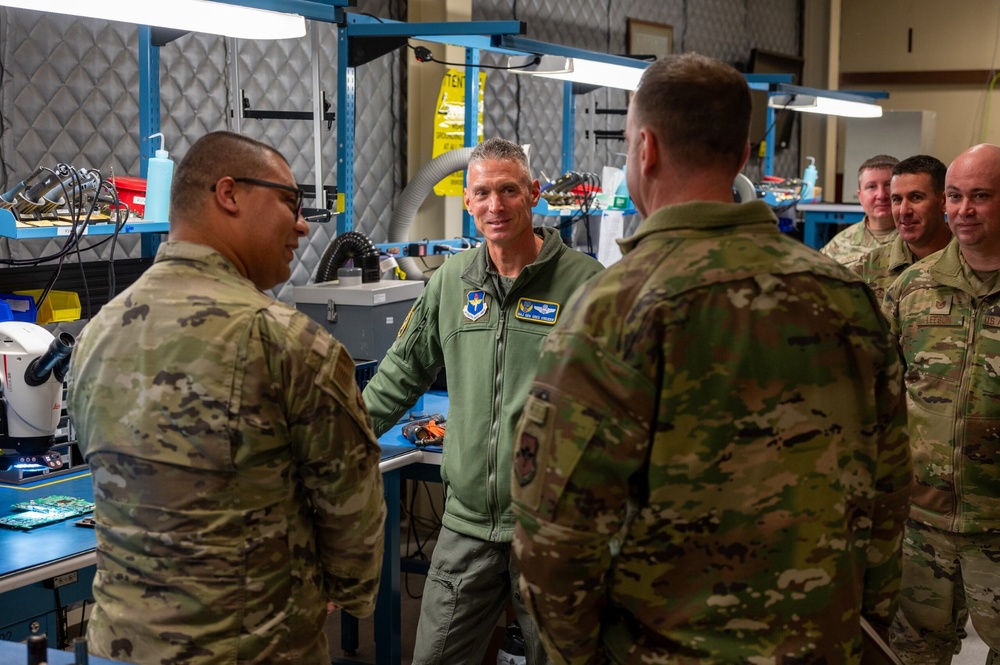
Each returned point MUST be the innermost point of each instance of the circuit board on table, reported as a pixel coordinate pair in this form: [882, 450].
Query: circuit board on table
[47, 510]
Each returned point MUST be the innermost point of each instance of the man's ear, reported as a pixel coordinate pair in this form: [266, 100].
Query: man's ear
[225, 195]
[649, 151]
[746, 155]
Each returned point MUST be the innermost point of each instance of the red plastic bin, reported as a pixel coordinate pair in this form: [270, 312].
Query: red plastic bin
[132, 193]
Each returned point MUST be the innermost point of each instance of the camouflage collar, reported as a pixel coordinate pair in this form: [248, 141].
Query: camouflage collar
[949, 268]
[703, 216]
[181, 250]
[900, 256]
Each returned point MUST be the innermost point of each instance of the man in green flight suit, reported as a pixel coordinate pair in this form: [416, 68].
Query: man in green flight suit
[483, 316]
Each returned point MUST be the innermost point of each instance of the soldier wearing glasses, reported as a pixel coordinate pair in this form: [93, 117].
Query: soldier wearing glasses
[235, 470]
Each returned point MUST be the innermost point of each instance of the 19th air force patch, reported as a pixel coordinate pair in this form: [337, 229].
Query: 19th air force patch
[475, 305]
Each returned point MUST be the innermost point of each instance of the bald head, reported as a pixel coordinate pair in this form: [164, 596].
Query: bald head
[982, 157]
[972, 201]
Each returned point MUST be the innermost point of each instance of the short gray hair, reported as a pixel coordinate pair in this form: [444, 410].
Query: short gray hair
[498, 149]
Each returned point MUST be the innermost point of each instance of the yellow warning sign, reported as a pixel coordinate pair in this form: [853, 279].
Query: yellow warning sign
[449, 124]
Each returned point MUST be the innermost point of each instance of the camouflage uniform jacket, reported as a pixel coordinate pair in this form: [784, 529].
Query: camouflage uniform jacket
[712, 465]
[949, 331]
[853, 243]
[235, 471]
[490, 347]
[881, 266]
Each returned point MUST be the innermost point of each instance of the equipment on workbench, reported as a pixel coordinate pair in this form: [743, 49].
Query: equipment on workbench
[426, 431]
[365, 318]
[31, 393]
[38, 650]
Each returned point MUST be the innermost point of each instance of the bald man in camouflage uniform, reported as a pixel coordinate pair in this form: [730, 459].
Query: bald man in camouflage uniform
[946, 312]
[235, 470]
[712, 465]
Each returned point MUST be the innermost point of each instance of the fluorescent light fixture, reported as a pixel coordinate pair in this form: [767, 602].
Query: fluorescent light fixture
[828, 102]
[591, 72]
[190, 15]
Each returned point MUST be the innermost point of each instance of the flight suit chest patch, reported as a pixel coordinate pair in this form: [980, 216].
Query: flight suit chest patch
[476, 305]
[537, 311]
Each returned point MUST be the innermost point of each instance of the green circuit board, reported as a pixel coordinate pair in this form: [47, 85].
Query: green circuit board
[68, 506]
[46, 510]
[32, 519]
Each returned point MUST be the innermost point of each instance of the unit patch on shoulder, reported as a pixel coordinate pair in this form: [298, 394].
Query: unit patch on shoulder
[475, 305]
[538, 311]
[406, 322]
[526, 459]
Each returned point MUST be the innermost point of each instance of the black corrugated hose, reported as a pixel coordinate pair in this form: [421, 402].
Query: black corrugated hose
[345, 247]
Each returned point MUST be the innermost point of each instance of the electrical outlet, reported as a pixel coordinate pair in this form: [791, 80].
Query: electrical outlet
[60, 580]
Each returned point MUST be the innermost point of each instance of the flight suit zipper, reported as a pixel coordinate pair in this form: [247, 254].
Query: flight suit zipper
[492, 499]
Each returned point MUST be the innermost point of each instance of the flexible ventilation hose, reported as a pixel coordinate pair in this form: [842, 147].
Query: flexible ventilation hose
[349, 245]
[413, 196]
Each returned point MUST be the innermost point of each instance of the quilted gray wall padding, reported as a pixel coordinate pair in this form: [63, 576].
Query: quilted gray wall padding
[69, 94]
[531, 112]
[66, 98]
[70, 90]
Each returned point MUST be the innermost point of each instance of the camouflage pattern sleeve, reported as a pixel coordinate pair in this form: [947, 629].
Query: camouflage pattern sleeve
[890, 307]
[850, 246]
[568, 531]
[893, 485]
[338, 455]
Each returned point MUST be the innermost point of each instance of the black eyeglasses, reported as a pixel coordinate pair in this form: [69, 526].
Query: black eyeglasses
[299, 194]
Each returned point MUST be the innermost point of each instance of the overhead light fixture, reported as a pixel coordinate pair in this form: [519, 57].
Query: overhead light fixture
[218, 18]
[578, 70]
[828, 102]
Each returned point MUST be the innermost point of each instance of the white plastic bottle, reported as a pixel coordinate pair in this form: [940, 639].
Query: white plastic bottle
[159, 175]
[809, 177]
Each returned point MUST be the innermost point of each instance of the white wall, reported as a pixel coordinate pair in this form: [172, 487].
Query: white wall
[439, 216]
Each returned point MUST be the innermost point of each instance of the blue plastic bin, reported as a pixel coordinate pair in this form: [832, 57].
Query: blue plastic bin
[22, 308]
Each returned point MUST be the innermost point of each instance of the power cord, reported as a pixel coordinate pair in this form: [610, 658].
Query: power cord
[424, 54]
[71, 184]
[433, 525]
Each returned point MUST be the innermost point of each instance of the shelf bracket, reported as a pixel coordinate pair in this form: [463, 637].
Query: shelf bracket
[247, 112]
